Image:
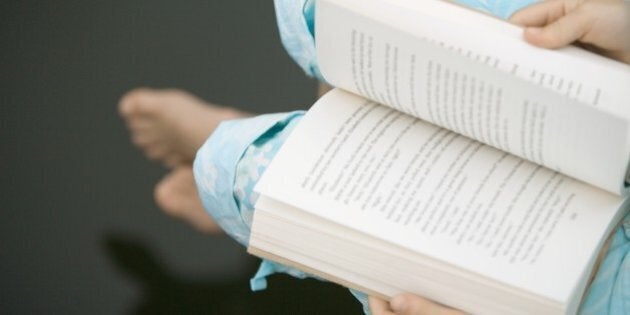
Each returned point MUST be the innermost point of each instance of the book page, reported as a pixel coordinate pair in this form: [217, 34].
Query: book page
[475, 86]
[431, 190]
[364, 262]
[570, 71]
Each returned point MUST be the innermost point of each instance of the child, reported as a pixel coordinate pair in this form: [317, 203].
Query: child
[228, 165]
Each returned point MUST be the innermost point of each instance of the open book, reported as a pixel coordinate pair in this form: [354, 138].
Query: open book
[455, 161]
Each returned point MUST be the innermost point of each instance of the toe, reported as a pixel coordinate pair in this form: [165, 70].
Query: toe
[164, 197]
[177, 196]
[126, 103]
[155, 152]
[171, 160]
[140, 124]
[141, 139]
[135, 102]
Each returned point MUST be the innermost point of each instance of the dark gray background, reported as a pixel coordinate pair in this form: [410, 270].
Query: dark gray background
[79, 232]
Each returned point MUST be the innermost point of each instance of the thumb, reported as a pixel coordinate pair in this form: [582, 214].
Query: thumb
[561, 32]
[409, 304]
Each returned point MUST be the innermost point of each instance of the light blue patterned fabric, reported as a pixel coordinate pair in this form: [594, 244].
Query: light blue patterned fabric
[231, 161]
[610, 291]
[215, 170]
[296, 26]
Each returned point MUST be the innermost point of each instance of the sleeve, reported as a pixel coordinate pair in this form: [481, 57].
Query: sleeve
[296, 20]
[609, 293]
[226, 169]
[500, 8]
[220, 168]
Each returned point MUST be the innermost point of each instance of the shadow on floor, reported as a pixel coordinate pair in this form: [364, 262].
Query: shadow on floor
[164, 292]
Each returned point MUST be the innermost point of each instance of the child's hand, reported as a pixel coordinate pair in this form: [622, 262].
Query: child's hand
[409, 304]
[604, 24]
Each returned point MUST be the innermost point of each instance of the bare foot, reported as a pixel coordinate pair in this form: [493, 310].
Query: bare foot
[177, 195]
[170, 125]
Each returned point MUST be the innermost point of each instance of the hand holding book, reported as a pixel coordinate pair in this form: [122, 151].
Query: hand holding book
[409, 304]
[602, 24]
[551, 24]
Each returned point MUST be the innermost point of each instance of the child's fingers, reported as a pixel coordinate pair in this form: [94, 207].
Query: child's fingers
[409, 304]
[539, 14]
[379, 307]
[562, 32]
